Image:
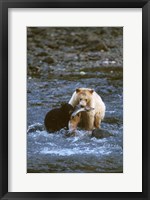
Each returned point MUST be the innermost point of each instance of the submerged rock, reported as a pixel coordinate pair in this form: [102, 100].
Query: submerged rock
[101, 133]
[70, 134]
[35, 127]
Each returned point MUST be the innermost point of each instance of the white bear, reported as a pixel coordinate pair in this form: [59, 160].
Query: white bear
[87, 120]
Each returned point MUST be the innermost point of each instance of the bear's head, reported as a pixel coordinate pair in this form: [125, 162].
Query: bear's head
[84, 96]
[67, 108]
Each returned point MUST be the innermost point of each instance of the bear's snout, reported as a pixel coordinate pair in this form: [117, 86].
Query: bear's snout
[82, 104]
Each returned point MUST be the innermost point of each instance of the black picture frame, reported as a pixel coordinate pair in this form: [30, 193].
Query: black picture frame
[4, 6]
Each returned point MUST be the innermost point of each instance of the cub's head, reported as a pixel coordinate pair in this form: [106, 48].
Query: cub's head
[67, 108]
[84, 96]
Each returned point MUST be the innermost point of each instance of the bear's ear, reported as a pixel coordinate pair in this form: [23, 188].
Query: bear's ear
[78, 90]
[91, 91]
[63, 104]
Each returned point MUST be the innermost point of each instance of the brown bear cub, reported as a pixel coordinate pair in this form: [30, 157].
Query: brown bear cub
[58, 118]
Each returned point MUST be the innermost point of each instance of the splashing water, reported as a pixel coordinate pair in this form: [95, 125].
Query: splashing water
[56, 153]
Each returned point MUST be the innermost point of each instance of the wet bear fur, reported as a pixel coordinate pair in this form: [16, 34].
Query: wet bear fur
[87, 120]
[58, 118]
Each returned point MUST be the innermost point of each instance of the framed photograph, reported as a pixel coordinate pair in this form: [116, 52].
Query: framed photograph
[74, 99]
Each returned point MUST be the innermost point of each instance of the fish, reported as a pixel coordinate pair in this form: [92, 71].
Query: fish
[79, 109]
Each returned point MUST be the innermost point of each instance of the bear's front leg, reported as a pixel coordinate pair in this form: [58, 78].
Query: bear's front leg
[73, 123]
[97, 120]
[87, 120]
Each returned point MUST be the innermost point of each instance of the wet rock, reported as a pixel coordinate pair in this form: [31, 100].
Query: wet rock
[37, 30]
[113, 120]
[96, 46]
[46, 70]
[101, 133]
[28, 91]
[42, 54]
[52, 46]
[101, 46]
[35, 127]
[39, 45]
[70, 134]
[75, 47]
[116, 32]
[33, 71]
[49, 60]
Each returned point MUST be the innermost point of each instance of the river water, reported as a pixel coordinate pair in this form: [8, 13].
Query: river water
[59, 61]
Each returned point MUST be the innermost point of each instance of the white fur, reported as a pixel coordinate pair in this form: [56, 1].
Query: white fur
[90, 119]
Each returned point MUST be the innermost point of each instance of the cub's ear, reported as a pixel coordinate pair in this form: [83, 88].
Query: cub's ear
[78, 90]
[91, 91]
[63, 104]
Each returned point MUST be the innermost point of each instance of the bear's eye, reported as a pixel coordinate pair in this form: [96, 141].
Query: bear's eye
[80, 99]
[85, 99]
